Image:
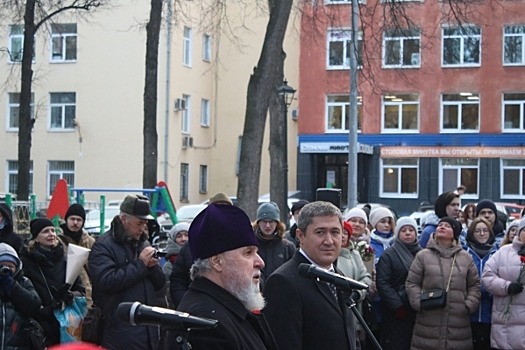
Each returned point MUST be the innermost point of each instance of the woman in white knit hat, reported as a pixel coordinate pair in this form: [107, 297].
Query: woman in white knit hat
[382, 220]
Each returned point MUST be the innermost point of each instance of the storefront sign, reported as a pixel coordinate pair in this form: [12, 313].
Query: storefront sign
[453, 152]
[333, 147]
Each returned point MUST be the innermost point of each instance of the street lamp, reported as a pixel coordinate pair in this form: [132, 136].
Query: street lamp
[286, 93]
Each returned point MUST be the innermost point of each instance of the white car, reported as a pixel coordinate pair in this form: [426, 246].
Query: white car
[92, 223]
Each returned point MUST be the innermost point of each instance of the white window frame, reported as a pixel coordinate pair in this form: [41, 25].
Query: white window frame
[399, 166]
[345, 106]
[185, 120]
[60, 169]
[63, 42]
[203, 179]
[184, 194]
[187, 47]
[520, 104]
[336, 35]
[458, 164]
[399, 101]
[12, 175]
[205, 112]
[402, 37]
[463, 100]
[64, 108]
[464, 34]
[516, 166]
[13, 110]
[206, 47]
[518, 35]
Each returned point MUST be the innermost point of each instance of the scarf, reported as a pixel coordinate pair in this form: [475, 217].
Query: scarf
[406, 251]
[384, 237]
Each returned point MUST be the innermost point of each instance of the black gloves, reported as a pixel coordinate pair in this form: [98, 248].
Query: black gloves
[7, 282]
[63, 293]
[355, 296]
[514, 288]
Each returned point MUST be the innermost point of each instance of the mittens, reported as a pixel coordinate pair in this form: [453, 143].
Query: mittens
[6, 284]
[514, 288]
[63, 293]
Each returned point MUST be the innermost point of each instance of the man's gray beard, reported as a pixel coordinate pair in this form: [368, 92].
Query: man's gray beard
[249, 295]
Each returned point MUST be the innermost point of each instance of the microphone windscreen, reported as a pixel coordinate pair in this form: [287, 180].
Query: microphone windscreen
[304, 269]
[123, 311]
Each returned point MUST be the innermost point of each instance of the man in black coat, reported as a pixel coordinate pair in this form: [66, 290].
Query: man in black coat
[304, 313]
[226, 275]
[123, 268]
[7, 234]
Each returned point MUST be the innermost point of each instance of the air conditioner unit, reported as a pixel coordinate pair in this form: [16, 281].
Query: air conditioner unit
[180, 104]
[414, 60]
[187, 141]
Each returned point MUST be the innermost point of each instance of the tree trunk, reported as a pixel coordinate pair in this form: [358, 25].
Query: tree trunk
[25, 122]
[262, 85]
[278, 156]
[149, 178]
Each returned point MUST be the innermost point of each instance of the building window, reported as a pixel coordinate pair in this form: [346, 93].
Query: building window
[63, 42]
[186, 115]
[400, 112]
[60, 169]
[338, 113]
[13, 121]
[455, 171]
[12, 176]
[205, 112]
[186, 47]
[513, 48]
[206, 47]
[513, 175]
[16, 42]
[339, 45]
[184, 182]
[513, 112]
[63, 110]
[460, 112]
[399, 177]
[401, 48]
[203, 179]
[461, 46]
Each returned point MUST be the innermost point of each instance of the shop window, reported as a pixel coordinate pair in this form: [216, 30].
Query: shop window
[456, 171]
[513, 176]
[399, 178]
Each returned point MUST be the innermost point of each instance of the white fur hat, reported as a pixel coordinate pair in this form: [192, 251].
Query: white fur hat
[378, 214]
[404, 221]
[356, 213]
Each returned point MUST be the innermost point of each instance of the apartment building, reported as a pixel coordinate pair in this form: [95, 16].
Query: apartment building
[88, 100]
[441, 102]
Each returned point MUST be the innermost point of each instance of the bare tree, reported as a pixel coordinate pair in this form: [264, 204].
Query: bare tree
[149, 174]
[36, 14]
[266, 78]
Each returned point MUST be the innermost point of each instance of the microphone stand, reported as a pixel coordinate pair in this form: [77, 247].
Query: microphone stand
[352, 305]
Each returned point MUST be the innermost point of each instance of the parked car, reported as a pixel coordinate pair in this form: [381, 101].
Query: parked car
[92, 223]
[513, 210]
[188, 212]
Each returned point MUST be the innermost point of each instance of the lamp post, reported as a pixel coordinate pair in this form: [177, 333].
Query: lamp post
[286, 93]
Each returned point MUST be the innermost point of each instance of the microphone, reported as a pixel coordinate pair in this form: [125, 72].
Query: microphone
[138, 314]
[345, 283]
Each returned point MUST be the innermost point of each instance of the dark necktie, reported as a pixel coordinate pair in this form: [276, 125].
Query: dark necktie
[332, 287]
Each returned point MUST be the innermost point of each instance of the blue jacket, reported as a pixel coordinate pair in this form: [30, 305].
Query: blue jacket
[484, 312]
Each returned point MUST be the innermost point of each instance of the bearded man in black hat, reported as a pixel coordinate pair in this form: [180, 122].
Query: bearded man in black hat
[72, 231]
[124, 268]
[226, 274]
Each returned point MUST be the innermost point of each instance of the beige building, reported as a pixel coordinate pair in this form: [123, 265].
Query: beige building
[88, 101]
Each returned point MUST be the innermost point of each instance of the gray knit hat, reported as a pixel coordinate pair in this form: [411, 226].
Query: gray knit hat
[521, 225]
[181, 226]
[404, 221]
[378, 213]
[268, 211]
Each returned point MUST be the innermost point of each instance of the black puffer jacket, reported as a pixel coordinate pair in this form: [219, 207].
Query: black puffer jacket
[117, 276]
[274, 252]
[22, 302]
[7, 234]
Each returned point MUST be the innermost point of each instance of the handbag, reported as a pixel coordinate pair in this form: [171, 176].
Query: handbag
[35, 333]
[436, 298]
[70, 320]
[93, 326]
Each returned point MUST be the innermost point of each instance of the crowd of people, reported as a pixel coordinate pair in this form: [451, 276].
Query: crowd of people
[457, 285]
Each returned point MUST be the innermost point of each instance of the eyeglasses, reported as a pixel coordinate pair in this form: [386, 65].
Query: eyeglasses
[484, 230]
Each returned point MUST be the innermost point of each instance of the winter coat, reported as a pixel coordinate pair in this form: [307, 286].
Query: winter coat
[351, 264]
[172, 250]
[449, 327]
[238, 329]
[396, 332]
[484, 313]
[180, 276]
[7, 234]
[431, 221]
[274, 252]
[16, 307]
[118, 275]
[47, 270]
[86, 241]
[503, 268]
